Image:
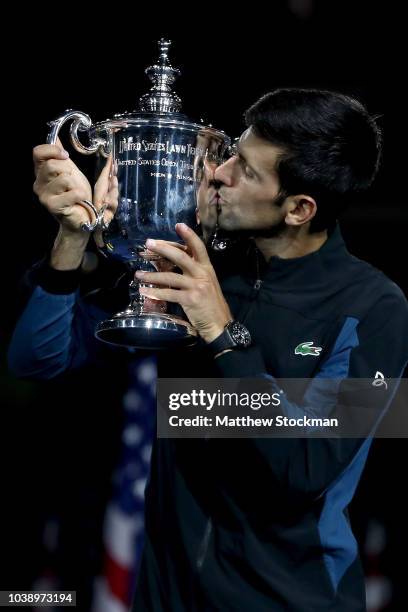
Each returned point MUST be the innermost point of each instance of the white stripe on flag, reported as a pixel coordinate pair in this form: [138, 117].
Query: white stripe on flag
[119, 535]
[103, 600]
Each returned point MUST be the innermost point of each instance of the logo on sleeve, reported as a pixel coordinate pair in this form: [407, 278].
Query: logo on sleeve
[307, 348]
[379, 380]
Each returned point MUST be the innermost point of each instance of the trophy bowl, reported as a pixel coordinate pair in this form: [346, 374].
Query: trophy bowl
[150, 166]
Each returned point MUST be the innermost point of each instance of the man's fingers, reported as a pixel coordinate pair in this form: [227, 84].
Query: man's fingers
[53, 168]
[179, 245]
[103, 183]
[168, 295]
[195, 244]
[64, 205]
[170, 279]
[64, 184]
[177, 256]
[45, 151]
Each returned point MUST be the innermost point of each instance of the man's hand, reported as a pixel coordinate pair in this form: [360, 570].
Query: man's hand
[197, 290]
[60, 187]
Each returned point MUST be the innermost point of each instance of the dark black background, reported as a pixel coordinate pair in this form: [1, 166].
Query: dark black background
[60, 447]
[96, 64]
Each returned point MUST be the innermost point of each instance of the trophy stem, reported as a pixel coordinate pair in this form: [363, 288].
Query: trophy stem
[145, 323]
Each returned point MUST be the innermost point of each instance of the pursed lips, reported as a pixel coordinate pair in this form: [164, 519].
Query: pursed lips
[217, 199]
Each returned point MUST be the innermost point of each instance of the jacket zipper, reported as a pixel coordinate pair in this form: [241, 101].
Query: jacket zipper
[255, 290]
[203, 548]
[258, 281]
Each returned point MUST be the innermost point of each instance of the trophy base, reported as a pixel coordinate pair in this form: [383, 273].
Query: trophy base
[146, 331]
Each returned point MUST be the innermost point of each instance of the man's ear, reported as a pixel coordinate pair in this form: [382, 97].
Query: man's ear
[300, 209]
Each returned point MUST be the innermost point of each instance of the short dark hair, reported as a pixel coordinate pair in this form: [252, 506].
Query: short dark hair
[331, 146]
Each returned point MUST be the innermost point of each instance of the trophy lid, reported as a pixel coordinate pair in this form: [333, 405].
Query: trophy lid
[161, 99]
[160, 106]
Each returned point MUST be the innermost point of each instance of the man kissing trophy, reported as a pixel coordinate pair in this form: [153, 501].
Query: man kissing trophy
[150, 165]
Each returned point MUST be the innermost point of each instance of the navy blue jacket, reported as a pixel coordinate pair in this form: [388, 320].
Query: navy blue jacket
[249, 524]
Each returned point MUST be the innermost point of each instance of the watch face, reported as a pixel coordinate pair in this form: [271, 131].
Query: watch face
[240, 334]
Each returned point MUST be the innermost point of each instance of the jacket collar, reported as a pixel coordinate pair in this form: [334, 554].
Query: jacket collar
[315, 266]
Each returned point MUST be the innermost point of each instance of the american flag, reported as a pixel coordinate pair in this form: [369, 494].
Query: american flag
[124, 523]
[378, 586]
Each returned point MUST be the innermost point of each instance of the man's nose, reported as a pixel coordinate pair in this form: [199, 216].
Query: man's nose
[209, 170]
[223, 174]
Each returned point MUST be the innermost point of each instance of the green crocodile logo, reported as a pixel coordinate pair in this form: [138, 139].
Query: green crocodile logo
[307, 348]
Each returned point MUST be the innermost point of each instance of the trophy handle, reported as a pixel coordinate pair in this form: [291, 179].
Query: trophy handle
[82, 122]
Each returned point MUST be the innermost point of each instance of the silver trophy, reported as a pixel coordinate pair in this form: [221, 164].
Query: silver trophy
[155, 157]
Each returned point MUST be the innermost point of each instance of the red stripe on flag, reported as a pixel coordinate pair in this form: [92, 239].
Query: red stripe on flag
[119, 579]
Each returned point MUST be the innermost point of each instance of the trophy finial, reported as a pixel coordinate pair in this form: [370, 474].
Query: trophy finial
[164, 46]
[161, 98]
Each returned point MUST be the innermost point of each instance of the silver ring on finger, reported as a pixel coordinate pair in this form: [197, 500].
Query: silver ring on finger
[91, 226]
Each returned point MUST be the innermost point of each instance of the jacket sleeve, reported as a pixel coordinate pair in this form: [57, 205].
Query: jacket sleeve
[307, 466]
[54, 332]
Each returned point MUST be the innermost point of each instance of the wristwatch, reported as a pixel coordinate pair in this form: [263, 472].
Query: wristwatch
[234, 336]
